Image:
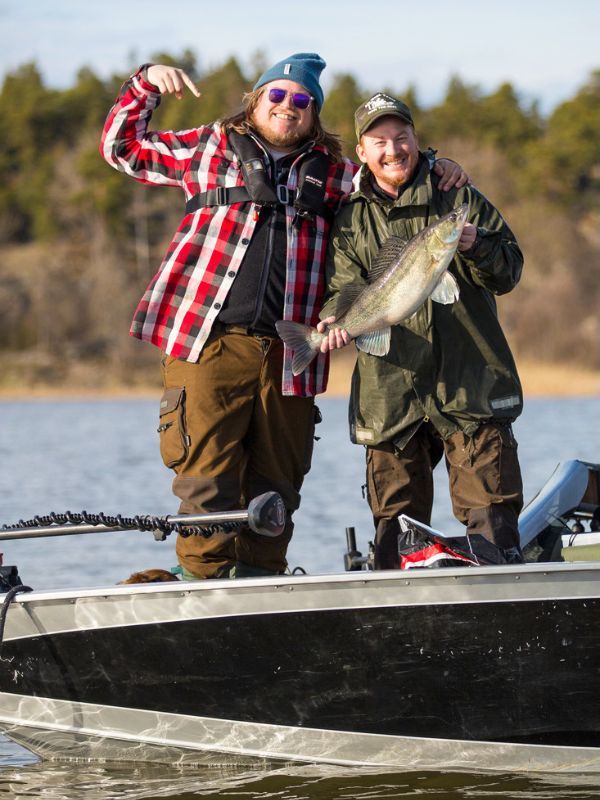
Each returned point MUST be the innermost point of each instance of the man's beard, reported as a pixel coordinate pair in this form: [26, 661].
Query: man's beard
[395, 181]
[280, 140]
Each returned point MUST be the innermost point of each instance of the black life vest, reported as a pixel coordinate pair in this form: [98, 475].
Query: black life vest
[308, 199]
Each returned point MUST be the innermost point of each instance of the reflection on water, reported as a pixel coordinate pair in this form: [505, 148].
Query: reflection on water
[56, 781]
[103, 456]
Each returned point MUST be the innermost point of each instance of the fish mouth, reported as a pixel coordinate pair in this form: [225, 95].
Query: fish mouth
[459, 215]
[448, 234]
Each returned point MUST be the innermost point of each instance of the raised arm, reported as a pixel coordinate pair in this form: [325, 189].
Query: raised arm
[157, 157]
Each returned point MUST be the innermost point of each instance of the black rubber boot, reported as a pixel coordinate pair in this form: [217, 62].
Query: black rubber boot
[386, 544]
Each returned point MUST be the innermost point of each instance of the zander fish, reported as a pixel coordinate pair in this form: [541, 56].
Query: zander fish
[402, 277]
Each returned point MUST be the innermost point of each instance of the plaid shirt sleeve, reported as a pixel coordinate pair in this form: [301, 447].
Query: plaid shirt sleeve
[183, 299]
[158, 157]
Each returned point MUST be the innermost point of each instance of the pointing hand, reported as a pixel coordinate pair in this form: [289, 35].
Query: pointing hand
[171, 80]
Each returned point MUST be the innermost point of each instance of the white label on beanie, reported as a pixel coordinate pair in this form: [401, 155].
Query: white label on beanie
[287, 69]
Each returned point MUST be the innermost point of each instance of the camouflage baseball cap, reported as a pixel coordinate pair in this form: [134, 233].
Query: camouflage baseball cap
[380, 105]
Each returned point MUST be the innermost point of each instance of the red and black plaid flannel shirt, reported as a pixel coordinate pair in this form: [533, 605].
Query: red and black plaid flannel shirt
[183, 299]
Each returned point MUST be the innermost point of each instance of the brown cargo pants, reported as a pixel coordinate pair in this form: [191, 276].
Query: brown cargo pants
[230, 435]
[485, 485]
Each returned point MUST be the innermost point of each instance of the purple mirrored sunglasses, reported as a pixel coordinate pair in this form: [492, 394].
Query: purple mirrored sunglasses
[299, 99]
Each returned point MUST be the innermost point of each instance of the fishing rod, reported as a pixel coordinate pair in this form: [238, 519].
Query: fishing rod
[265, 515]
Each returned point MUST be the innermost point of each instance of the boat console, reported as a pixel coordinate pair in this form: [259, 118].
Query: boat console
[562, 522]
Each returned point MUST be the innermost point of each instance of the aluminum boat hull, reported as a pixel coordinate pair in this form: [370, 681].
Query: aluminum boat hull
[475, 668]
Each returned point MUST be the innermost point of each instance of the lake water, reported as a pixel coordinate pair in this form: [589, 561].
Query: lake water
[103, 456]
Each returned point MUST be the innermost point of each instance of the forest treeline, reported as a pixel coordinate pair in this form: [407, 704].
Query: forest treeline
[79, 242]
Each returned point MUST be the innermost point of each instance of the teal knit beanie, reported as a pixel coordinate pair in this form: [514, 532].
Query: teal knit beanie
[303, 68]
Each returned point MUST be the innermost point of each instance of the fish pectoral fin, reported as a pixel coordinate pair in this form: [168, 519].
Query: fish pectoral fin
[447, 290]
[376, 343]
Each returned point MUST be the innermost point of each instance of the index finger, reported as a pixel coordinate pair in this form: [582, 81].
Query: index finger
[190, 84]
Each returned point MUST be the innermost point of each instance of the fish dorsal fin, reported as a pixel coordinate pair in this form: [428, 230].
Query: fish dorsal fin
[376, 343]
[346, 297]
[389, 252]
[446, 290]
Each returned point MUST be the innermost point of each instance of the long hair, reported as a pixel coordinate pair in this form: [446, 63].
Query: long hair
[241, 122]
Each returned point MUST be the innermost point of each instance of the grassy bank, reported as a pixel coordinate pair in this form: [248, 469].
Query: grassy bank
[82, 380]
[538, 379]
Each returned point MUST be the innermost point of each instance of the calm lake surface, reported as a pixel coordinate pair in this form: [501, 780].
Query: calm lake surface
[103, 456]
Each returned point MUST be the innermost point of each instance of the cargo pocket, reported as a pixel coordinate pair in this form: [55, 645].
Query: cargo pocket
[174, 440]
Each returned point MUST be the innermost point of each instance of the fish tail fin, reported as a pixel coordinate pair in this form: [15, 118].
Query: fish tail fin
[303, 340]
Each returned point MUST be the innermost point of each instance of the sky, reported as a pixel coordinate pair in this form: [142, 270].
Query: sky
[546, 49]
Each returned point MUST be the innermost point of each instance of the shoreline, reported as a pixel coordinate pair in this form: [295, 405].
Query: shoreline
[538, 380]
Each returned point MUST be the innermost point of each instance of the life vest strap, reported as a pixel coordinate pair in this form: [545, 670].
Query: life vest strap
[308, 200]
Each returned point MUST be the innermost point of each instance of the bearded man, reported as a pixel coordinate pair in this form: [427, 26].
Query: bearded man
[261, 188]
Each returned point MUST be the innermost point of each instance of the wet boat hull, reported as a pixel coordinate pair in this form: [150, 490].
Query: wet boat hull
[487, 668]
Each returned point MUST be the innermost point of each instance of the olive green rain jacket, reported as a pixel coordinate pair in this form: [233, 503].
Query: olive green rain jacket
[450, 364]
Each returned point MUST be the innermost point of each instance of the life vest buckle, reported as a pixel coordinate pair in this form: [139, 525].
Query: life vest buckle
[284, 195]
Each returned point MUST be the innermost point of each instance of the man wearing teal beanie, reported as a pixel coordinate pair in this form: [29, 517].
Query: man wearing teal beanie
[260, 189]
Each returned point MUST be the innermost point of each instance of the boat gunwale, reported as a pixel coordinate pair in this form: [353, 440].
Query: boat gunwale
[48, 613]
[364, 577]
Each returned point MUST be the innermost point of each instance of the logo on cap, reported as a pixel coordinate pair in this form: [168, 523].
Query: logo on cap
[378, 102]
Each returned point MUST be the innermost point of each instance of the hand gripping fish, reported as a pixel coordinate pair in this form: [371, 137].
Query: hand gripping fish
[402, 277]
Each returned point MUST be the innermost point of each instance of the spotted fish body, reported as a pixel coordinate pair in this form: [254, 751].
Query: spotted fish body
[401, 279]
